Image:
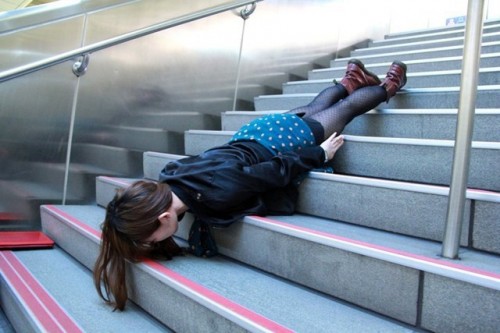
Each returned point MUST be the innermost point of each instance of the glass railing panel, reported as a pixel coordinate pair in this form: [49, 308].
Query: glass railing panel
[135, 96]
[111, 22]
[160, 86]
[27, 40]
[34, 127]
[31, 44]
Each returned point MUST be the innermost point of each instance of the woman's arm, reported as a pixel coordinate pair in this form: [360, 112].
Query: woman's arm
[280, 170]
[331, 145]
[283, 168]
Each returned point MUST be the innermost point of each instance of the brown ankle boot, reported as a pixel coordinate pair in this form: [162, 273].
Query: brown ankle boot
[395, 79]
[356, 76]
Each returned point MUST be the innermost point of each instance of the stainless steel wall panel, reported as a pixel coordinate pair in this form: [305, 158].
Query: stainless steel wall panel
[191, 67]
[57, 10]
[111, 22]
[34, 127]
[28, 45]
[43, 97]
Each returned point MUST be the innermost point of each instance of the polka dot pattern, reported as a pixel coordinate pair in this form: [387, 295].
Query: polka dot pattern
[277, 132]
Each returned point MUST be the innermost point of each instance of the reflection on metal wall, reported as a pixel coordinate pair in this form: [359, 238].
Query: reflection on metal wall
[27, 45]
[143, 94]
[34, 122]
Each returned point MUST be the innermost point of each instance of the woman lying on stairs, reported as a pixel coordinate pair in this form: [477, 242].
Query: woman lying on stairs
[255, 173]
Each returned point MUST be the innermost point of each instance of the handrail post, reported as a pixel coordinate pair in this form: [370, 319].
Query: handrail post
[244, 14]
[465, 122]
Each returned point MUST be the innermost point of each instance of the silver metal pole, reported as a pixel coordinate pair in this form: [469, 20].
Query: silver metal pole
[70, 141]
[245, 14]
[465, 122]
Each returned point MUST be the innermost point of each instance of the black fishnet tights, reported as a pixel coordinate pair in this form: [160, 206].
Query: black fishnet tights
[334, 109]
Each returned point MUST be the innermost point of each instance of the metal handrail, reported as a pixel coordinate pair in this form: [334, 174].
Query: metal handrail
[73, 54]
[465, 123]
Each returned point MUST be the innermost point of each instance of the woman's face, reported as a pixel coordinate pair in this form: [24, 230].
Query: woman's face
[168, 226]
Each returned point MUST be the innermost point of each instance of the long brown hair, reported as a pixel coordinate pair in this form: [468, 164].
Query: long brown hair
[131, 217]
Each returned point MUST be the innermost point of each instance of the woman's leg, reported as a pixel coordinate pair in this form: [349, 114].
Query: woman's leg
[361, 100]
[355, 77]
[336, 117]
[322, 101]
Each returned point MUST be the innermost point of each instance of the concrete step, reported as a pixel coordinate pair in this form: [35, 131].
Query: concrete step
[107, 187]
[367, 277]
[233, 120]
[417, 160]
[431, 35]
[226, 296]
[428, 53]
[196, 144]
[5, 325]
[415, 98]
[441, 78]
[411, 123]
[48, 291]
[414, 160]
[385, 204]
[458, 27]
[358, 259]
[414, 66]
[410, 46]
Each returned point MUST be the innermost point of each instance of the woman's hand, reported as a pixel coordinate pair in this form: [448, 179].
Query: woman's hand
[331, 145]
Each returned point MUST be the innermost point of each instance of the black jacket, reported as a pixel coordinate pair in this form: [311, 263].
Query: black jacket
[225, 183]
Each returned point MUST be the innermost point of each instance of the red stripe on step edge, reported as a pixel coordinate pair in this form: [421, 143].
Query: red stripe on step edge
[41, 304]
[76, 222]
[33, 304]
[381, 248]
[214, 297]
[199, 289]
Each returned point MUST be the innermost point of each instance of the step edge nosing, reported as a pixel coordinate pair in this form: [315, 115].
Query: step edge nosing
[454, 271]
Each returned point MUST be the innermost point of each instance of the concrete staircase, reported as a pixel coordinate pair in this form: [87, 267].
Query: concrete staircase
[360, 255]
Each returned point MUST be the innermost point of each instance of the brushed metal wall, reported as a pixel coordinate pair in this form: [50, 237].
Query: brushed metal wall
[143, 94]
[34, 127]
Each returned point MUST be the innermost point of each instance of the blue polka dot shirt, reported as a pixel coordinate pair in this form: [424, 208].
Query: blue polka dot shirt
[277, 132]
